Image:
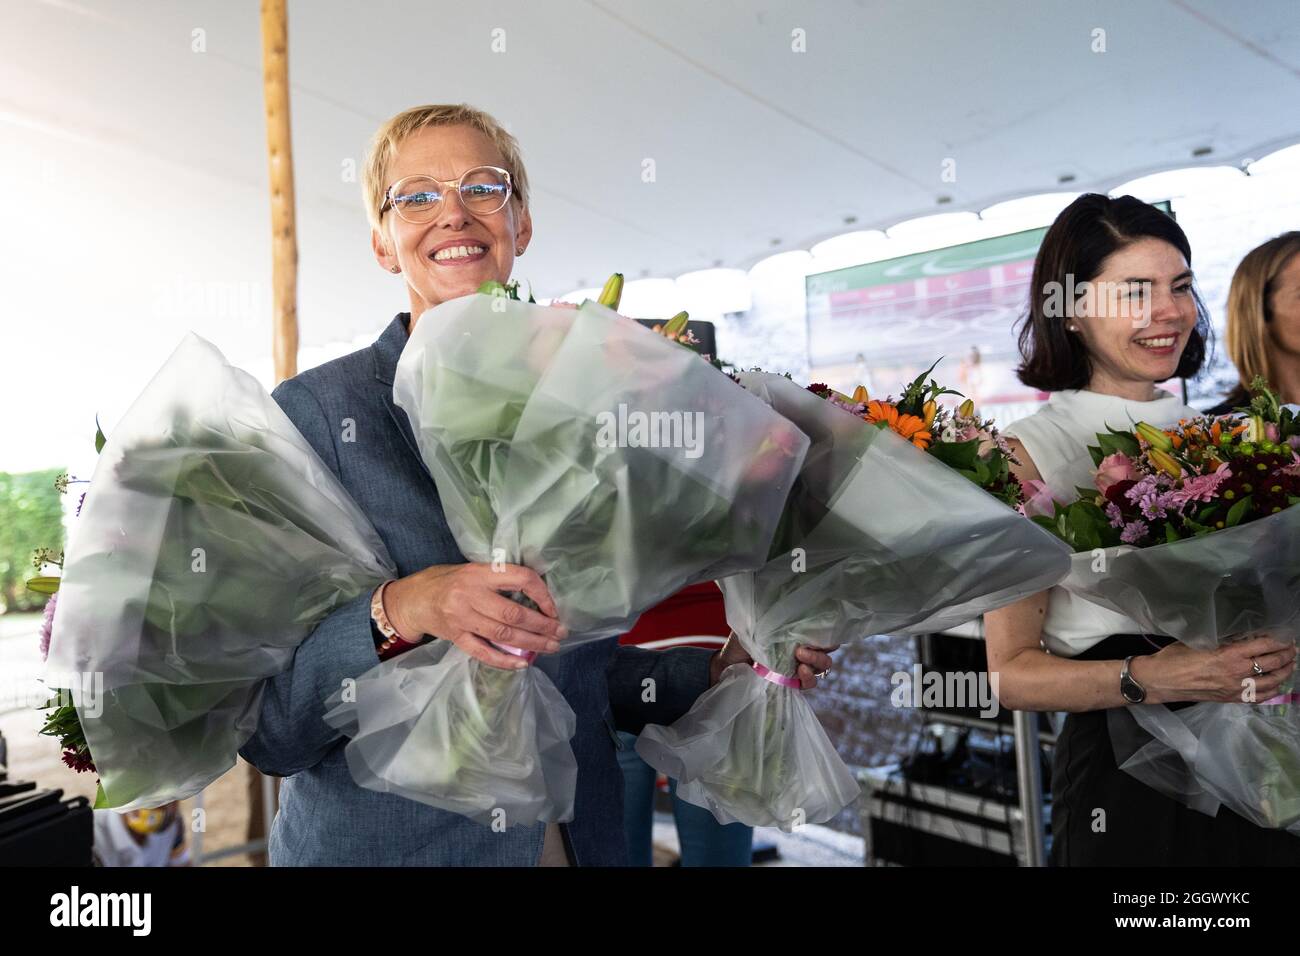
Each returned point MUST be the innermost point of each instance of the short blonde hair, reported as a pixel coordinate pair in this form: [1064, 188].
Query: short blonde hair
[390, 136]
[1252, 286]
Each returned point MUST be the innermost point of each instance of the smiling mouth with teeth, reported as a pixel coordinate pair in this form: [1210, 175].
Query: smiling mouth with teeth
[458, 252]
[1161, 342]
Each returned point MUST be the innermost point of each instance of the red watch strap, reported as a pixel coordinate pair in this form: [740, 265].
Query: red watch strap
[393, 643]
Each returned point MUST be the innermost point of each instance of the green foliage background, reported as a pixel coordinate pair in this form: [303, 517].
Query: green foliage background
[31, 517]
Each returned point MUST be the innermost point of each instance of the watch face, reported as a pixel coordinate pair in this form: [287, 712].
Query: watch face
[1133, 693]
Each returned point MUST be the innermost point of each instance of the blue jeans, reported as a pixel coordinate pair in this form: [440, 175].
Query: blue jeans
[704, 841]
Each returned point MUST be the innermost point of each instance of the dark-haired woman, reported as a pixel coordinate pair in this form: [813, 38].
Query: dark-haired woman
[1264, 321]
[1113, 312]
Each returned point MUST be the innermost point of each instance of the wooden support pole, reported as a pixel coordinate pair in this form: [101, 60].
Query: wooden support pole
[284, 284]
[284, 239]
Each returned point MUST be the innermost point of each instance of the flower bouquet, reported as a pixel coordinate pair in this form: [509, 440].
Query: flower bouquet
[615, 464]
[879, 535]
[1191, 532]
[211, 542]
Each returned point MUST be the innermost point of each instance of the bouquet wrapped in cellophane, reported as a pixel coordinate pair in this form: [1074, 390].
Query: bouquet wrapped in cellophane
[613, 462]
[1191, 532]
[211, 542]
[877, 537]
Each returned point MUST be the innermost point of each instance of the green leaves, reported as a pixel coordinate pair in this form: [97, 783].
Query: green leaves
[964, 457]
[1080, 524]
[917, 393]
[100, 440]
[961, 455]
[1088, 526]
[1237, 511]
[1113, 442]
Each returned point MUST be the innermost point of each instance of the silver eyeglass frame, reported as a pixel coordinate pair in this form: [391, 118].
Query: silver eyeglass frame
[449, 184]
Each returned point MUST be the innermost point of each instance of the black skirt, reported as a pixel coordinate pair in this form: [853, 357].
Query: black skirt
[1103, 816]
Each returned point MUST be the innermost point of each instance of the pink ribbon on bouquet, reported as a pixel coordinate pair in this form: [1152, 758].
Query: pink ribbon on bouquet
[1291, 698]
[529, 656]
[768, 674]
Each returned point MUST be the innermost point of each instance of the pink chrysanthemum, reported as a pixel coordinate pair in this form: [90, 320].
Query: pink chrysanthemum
[1200, 488]
[47, 625]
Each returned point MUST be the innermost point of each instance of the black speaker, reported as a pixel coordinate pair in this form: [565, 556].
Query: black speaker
[40, 828]
[708, 343]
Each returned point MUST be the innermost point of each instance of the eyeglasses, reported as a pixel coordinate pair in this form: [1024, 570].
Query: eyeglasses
[418, 199]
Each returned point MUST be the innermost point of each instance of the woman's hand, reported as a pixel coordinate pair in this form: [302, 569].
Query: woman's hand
[813, 661]
[1178, 672]
[463, 603]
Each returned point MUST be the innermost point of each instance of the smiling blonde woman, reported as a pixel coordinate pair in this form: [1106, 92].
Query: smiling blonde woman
[446, 194]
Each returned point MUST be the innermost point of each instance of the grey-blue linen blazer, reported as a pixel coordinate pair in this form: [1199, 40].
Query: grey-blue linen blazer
[325, 819]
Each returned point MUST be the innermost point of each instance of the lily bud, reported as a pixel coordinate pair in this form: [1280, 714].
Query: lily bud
[966, 409]
[1155, 437]
[613, 291]
[927, 413]
[860, 395]
[1165, 463]
[1254, 429]
[676, 325]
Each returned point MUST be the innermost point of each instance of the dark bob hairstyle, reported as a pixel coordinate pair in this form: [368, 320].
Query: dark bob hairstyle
[1085, 233]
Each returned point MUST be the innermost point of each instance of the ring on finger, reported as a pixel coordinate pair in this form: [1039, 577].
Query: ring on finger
[1255, 668]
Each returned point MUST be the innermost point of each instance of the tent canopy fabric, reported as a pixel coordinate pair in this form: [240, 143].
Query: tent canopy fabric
[661, 138]
[673, 136]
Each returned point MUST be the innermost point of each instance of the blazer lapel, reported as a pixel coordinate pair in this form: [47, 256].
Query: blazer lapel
[386, 351]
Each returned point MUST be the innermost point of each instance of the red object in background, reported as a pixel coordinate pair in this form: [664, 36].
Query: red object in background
[693, 617]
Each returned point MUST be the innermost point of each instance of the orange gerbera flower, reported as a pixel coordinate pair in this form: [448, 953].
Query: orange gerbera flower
[909, 427]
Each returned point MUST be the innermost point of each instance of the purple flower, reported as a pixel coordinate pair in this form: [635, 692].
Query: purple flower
[1148, 496]
[857, 408]
[47, 626]
[1134, 532]
[1114, 514]
[80, 501]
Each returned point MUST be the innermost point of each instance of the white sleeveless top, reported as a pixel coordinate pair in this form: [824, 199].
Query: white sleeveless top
[1057, 437]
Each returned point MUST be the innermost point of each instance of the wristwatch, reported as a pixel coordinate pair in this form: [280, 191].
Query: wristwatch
[387, 641]
[1133, 692]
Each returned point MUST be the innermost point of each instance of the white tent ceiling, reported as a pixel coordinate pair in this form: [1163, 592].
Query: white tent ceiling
[136, 164]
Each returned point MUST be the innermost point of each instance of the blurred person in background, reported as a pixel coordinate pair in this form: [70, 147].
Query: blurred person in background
[153, 837]
[693, 617]
[1264, 321]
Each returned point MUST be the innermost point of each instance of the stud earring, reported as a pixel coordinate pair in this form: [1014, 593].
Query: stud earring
[395, 269]
[519, 251]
